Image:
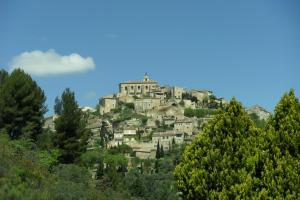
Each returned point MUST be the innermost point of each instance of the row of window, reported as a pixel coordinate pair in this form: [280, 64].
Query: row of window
[138, 87]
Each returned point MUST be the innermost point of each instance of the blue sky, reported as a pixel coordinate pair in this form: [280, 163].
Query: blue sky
[246, 49]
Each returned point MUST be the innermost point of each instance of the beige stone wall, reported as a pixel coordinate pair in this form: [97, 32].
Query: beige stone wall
[142, 105]
[177, 92]
[137, 88]
[185, 126]
[166, 139]
[107, 105]
[189, 104]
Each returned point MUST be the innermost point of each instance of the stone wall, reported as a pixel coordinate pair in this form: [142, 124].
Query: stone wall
[142, 105]
[107, 104]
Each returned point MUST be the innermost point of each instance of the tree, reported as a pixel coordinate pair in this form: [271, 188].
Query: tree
[162, 153]
[58, 106]
[286, 124]
[104, 135]
[157, 154]
[22, 105]
[72, 135]
[3, 76]
[281, 172]
[221, 163]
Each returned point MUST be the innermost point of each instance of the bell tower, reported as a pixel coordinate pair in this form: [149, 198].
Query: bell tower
[146, 77]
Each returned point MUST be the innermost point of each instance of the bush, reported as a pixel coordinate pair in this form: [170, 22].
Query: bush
[199, 113]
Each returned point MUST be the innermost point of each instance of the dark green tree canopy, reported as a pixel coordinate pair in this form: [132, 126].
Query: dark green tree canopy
[22, 104]
[71, 136]
[3, 76]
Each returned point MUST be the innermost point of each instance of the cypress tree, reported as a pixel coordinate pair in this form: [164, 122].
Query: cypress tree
[157, 155]
[162, 153]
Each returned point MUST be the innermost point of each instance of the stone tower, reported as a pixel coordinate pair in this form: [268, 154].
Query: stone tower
[146, 77]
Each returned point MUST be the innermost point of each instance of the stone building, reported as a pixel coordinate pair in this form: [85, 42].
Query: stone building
[143, 150]
[168, 120]
[185, 125]
[141, 105]
[177, 92]
[146, 86]
[166, 138]
[118, 138]
[107, 104]
[129, 131]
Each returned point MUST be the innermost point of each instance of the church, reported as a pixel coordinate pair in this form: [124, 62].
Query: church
[145, 86]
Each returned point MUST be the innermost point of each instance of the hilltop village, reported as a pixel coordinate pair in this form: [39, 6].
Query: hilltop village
[145, 115]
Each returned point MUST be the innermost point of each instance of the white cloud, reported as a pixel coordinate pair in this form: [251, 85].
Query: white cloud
[51, 63]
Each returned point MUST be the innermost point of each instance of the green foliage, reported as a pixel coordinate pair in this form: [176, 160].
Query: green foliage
[234, 160]
[58, 106]
[129, 106]
[162, 152]
[3, 76]
[48, 158]
[281, 173]
[22, 105]
[120, 149]
[71, 137]
[199, 113]
[157, 153]
[220, 163]
[91, 157]
[189, 96]
[286, 124]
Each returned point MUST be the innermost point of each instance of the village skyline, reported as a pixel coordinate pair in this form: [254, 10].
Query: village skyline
[247, 50]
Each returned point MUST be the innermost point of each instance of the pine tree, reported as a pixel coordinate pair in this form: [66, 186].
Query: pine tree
[3, 76]
[58, 106]
[71, 136]
[22, 104]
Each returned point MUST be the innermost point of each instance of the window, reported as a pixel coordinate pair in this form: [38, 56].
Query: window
[139, 87]
[125, 87]
[132, 87]
[146, 87]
